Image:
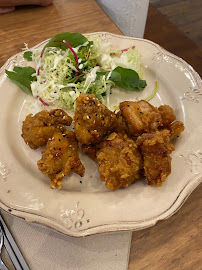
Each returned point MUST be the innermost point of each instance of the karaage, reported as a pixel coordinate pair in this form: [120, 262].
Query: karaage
[167, 115]
[155, 148]
[176, 128]
[61, 157]
[37, 129]
[140, 117]
[92, 120]
[91, 150]
[120, 126]
[119, 161]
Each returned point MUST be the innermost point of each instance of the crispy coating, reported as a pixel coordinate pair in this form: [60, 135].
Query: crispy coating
[37, 129]
[91, 150]
[60, 157]
[140, 117]
[92, 120]
[155, 149]
[176, 128]
[120, 126]
[167, 115]
[119, 161]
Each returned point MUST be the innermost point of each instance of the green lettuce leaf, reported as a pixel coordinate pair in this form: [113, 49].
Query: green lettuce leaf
[28, 55]
[125, 78]
[73, 39]
[22, 76]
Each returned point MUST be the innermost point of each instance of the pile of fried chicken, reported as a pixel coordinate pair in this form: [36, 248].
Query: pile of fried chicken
[126, 145]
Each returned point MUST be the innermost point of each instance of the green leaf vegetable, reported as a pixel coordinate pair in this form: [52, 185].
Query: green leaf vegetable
[28, 55]
[125, 78]
[23, 77]
[73, 39]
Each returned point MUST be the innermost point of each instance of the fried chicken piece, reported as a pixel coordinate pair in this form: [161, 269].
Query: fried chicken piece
[119, 161]
[37, 129]
[91, 150]
[92, 120]
[120, 126]
[61, 157]
[176, 128]
[155, 148]
[167, 115]
[140, 117]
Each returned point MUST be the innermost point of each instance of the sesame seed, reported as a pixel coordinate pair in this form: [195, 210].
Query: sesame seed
[128, 105]
[54, 148]
[59, 148]
[59, 140]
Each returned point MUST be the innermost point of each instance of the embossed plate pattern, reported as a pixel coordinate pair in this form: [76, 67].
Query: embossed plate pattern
[86, 208]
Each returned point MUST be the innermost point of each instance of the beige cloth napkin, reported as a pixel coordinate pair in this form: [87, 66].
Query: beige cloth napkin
[45, 249]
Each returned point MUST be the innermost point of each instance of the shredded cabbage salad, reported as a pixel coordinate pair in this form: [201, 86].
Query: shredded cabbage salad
[94, 67]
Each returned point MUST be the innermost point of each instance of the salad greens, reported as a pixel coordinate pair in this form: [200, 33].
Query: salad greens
[73, 39]
[70, 64]
[23, 77]
[28, 55]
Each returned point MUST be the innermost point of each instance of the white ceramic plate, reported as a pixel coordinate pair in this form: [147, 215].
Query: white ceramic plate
[86, 208]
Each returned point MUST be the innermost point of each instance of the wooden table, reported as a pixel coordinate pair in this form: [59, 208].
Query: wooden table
[175, 243]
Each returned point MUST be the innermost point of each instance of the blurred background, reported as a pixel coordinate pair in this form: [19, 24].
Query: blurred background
[130, 15]
[185, 14]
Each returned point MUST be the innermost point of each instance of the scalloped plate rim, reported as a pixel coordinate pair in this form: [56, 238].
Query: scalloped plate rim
[118, 226]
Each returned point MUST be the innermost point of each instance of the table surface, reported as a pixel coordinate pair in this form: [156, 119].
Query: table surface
[175, 243]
